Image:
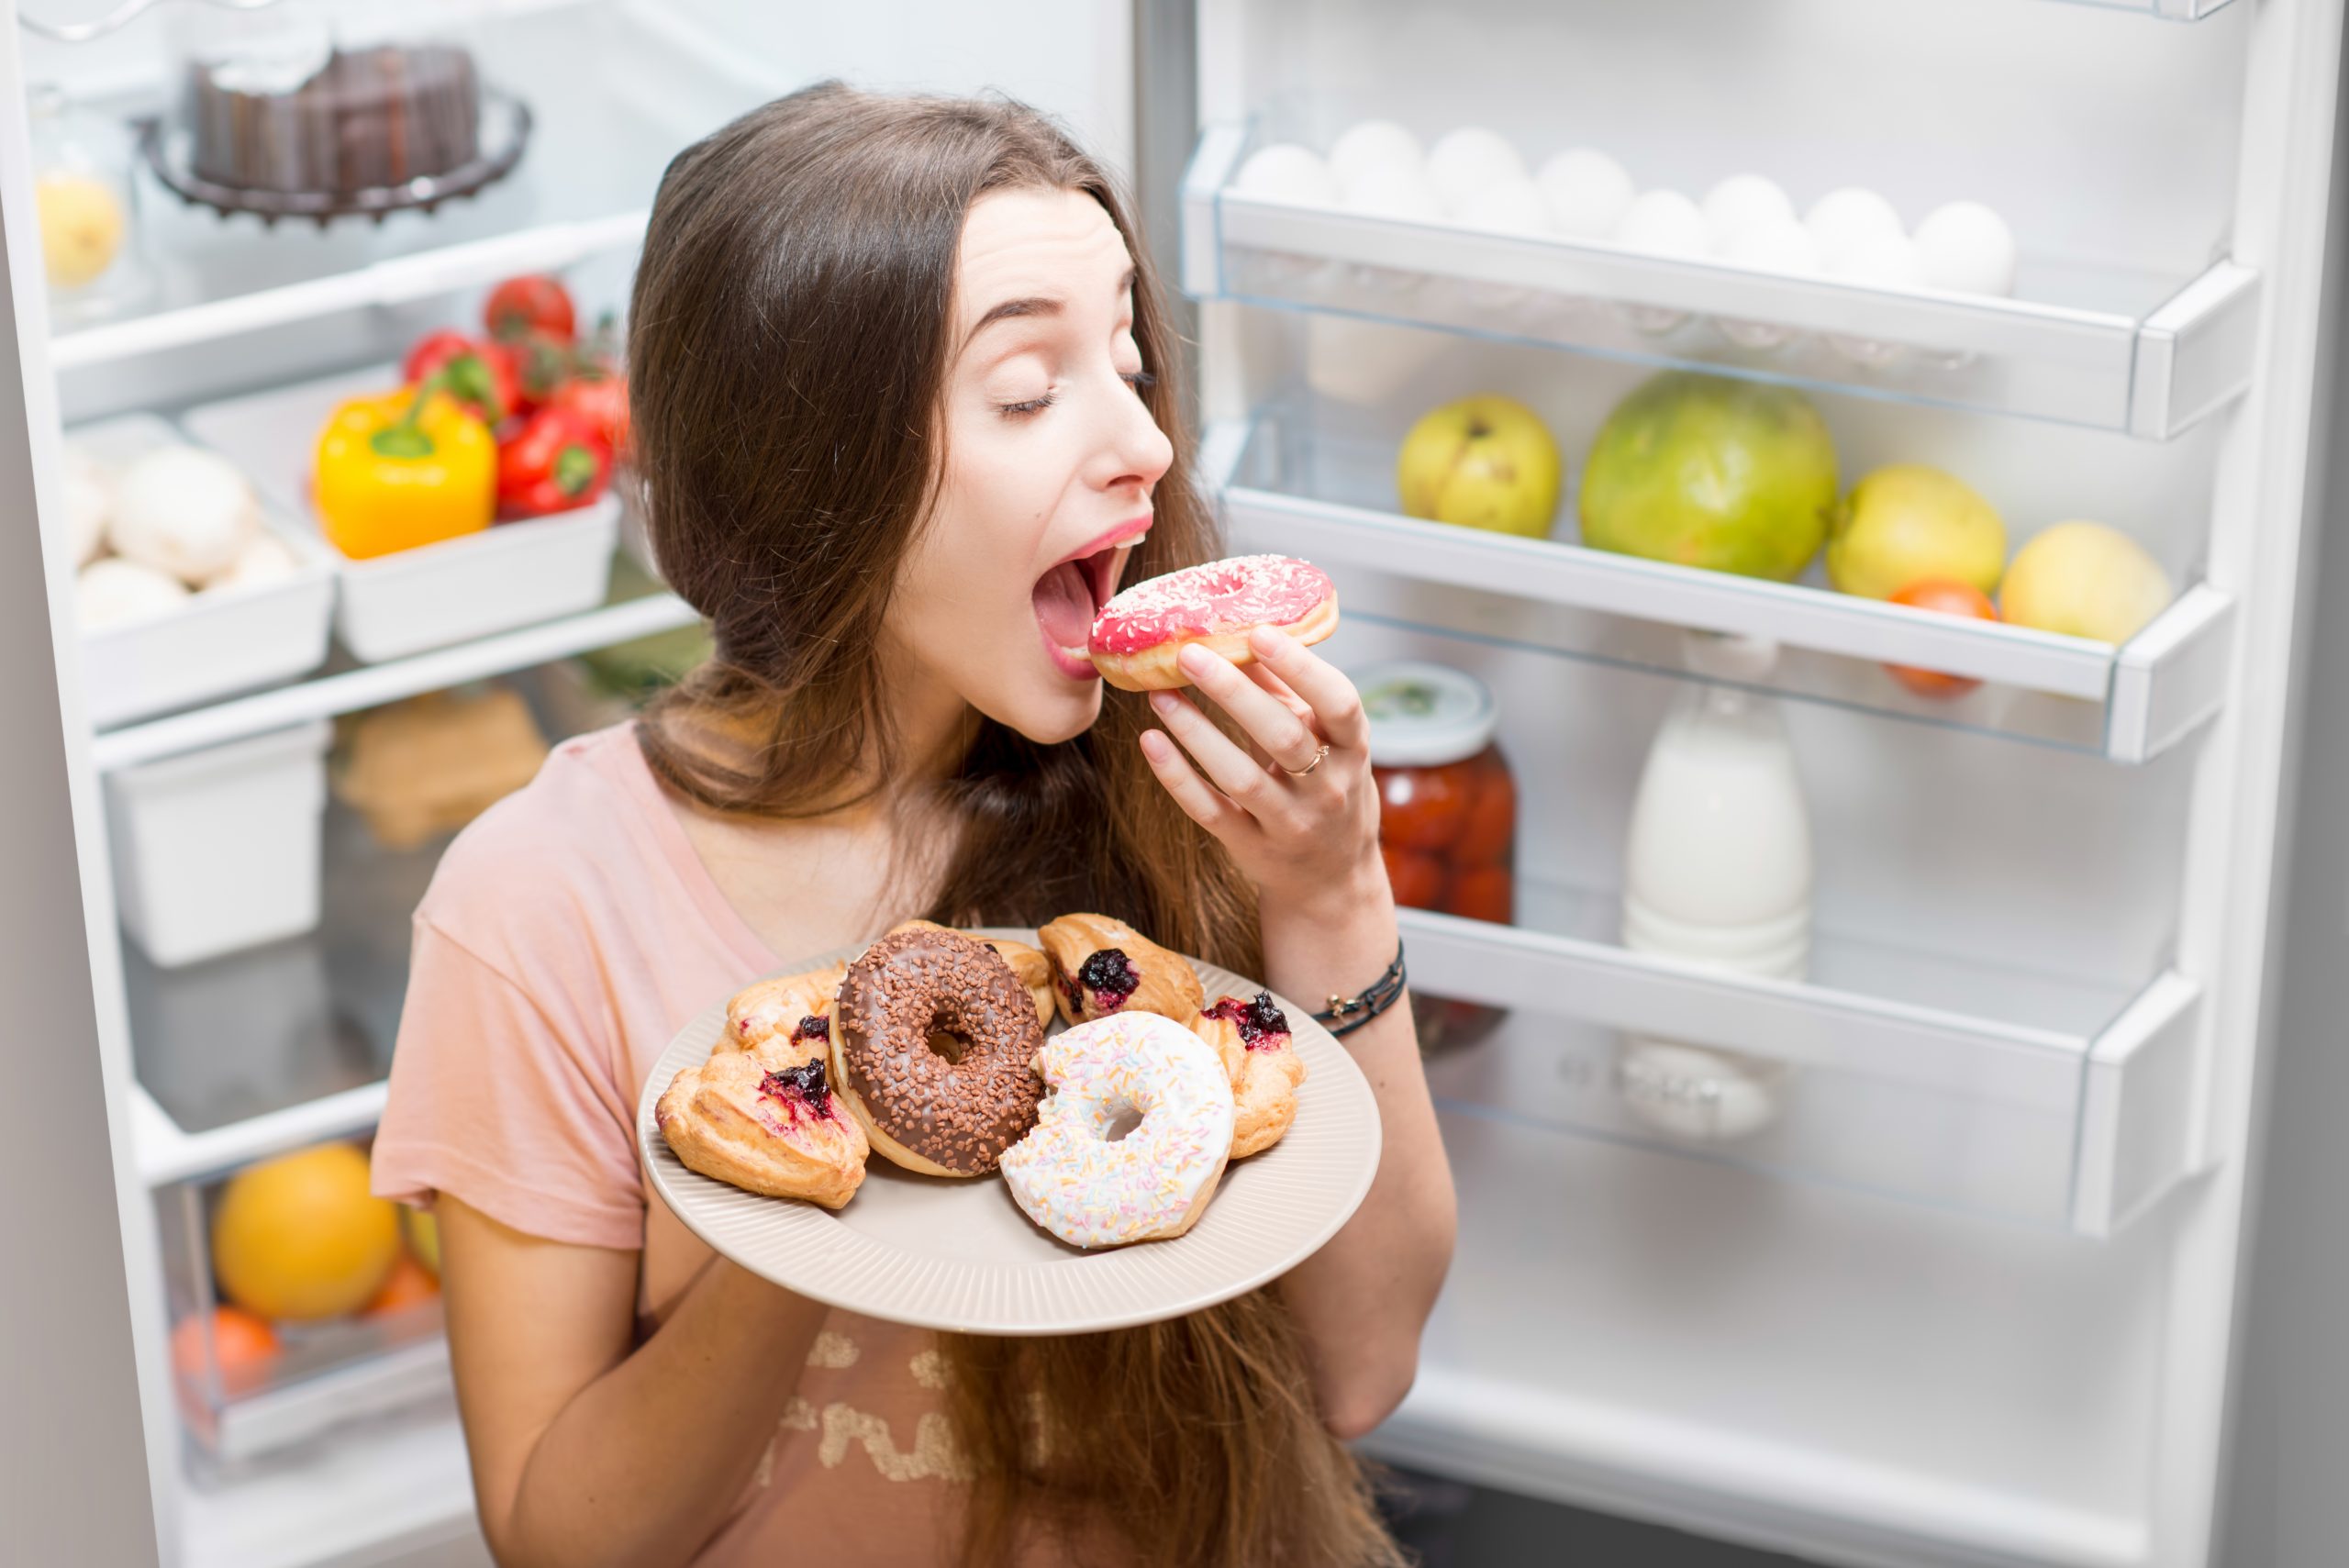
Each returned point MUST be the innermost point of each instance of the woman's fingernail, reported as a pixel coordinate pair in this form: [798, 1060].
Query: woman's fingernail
[1192, 661]
[1162, 702]
[1153, 745]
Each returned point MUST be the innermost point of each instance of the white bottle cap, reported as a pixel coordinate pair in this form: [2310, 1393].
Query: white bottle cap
[1424, 715]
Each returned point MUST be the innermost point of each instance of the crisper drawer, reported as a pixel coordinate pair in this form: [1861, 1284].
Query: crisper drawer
[2077, 1122]
[2110, 347]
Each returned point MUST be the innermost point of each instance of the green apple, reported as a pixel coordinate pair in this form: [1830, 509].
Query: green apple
[1481, 463]
[2084, 580]
[1909, 524]
[1700, 470]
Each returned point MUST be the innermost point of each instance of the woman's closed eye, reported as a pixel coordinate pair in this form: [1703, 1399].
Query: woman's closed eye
[1140, 381]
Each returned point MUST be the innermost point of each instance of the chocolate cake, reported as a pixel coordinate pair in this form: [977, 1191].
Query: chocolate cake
[365, 119]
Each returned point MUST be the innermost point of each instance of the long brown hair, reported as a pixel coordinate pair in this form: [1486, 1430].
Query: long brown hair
[787, 347]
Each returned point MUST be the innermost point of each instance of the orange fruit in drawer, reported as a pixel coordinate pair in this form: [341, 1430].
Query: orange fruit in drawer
[1950, 599]
[241, 1346]
[300, 1237]
[408, 1284]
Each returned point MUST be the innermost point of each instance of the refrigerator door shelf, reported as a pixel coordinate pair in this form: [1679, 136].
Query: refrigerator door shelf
[2104, 347]
[2052, 1103]
[615, 90]
[2129, 703]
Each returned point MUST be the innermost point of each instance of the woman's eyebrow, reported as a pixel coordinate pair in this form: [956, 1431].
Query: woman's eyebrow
[1033, 304]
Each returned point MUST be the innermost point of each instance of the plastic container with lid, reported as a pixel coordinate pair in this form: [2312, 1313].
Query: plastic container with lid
[1447, 822]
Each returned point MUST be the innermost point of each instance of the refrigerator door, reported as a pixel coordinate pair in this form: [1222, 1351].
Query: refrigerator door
[1966, 1296]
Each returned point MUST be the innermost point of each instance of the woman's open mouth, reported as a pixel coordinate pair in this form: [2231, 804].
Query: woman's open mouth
[1072, 593]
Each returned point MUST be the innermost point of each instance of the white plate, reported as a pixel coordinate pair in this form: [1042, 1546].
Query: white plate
[959, 1255]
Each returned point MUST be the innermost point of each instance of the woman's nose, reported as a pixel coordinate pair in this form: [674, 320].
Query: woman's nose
[1135, 451]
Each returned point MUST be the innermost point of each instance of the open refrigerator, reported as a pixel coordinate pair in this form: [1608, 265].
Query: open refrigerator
[1966, 1297]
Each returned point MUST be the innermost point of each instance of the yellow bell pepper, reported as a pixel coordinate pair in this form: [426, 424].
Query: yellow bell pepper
[409, 468]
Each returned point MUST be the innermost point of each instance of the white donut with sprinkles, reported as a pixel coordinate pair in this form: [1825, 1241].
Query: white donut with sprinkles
[1154, 1182]
[1140, 634]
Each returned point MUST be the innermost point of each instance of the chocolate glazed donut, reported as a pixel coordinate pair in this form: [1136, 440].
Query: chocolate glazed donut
[933, 1049]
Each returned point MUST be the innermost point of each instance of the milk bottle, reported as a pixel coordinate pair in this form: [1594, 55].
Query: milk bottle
[1717, 872]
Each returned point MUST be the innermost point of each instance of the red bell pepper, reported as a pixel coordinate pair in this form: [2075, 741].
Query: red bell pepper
[600, 398]
[554, 462]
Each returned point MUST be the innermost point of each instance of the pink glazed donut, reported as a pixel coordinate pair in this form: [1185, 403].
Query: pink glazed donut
[1139, 634]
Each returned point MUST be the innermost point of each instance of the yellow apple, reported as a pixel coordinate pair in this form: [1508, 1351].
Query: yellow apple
[1909, 524]
[2084, 580]
[1481, 463]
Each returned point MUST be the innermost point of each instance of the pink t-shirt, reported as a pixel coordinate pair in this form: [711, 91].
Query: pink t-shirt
[567, 935]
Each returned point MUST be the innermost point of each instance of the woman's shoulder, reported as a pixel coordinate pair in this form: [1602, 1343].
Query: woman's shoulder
[579, 840]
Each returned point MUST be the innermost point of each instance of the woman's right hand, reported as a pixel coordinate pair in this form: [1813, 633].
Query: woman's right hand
[588, 1448]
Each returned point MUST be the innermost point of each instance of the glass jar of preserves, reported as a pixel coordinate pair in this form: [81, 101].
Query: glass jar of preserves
[1447, 820]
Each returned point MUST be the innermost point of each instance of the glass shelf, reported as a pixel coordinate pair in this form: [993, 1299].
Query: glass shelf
[1981, 1089]
[1289, 488]
[2104, 347]
[616, 91]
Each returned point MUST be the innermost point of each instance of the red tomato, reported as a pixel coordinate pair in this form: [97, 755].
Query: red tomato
[243, 1344]
[533, 303]
[1488, 893]
[1416, 879]
[601, 399]
[1949, 599]
[408, 1284]
[1492, 818]
[1423, 808]
[479, 375]
[553, 463]
[542, 363]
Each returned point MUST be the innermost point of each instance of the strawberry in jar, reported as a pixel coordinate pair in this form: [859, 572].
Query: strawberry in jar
[1447, 822]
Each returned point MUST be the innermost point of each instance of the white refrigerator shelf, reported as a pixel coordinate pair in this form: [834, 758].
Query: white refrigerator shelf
[2129, 703]
[2043, 1102]
[613, 91]
[2096, 346]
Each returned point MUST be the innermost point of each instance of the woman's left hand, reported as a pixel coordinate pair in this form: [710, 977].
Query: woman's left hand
[1301, 816]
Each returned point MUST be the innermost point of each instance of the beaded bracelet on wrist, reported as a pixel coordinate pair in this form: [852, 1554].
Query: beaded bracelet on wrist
[1346, 1014]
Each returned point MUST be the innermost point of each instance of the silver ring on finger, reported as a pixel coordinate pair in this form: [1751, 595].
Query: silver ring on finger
[1300, 772]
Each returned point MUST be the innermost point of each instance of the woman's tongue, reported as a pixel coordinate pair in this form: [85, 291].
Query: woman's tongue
[1065, 605]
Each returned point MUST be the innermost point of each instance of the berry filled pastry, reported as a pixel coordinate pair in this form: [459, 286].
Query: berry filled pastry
[1102, 966]
[782, 1134]
[1252, 1037]
[785, 1020]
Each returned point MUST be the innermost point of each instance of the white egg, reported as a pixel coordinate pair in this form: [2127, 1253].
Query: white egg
[1968, 249]
[1394, 190]
[1845, 219]
[1373, 144]
[1464, 161]
[1774, 245]
[1885, 262]
[183, 511]
[1587, 192]
[263, 560]
[1739, 202]
[112, 591]
[1288, 173]
[89, 503]
[1664, 222]
[1508, 206]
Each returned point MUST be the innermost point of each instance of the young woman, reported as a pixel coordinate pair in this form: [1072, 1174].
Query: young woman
[898, 373]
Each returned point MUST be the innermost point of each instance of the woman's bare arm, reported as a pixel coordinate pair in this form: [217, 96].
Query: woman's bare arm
[585, 1451]
[1363, 1299]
